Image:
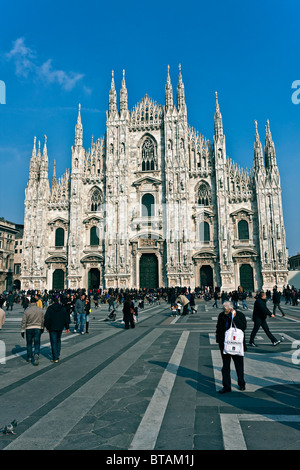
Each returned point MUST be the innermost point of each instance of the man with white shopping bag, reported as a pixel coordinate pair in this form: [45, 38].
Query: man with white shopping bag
[230, 336]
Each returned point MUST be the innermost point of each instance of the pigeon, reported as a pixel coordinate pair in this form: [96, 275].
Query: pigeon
[9, 428]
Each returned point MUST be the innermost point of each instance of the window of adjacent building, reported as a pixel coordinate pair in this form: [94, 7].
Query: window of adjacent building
[59, 237]
[204, 232]
[148, 205]
[243, 230]
[94, 239]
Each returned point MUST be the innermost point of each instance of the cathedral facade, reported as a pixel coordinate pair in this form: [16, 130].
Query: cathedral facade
[153, 203]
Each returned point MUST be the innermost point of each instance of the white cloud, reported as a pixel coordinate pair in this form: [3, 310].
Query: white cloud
[23, 57]
[25, 62]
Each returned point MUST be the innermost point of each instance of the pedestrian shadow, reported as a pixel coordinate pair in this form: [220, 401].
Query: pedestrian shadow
[21, 351]
[275, 399]
[195, 379]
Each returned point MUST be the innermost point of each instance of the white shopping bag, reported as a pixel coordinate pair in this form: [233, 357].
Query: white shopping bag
[234, 341]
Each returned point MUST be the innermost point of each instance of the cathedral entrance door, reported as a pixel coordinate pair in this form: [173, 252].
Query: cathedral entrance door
[206, 276]
[94, 278]
[148, 271]
[58, 280]
[246, 277]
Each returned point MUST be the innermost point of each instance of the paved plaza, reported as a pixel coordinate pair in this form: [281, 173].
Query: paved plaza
[151, 388]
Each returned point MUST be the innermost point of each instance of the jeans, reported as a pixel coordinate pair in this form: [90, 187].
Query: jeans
[81, 321]
[55, 340]
[33, 336]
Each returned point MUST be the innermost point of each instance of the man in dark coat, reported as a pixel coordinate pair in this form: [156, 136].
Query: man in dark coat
[276, 301]
[225, 319]
[56, 319]
[260, 313]
[128, 312]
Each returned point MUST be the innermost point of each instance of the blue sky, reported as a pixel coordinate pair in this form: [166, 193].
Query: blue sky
[56, 54]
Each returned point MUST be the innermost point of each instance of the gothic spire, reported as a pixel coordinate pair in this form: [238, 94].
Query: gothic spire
[258, 153]
[112, 105]
[270, 155]
[44, 161]
[123, 96]
[34, 148]
[54, 180]
[218, 118]
[45, 155]
[168, 92]
[33, 169]
[79, 129]
[180, 92]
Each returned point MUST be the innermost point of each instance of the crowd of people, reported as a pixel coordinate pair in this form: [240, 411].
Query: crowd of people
[55, 310]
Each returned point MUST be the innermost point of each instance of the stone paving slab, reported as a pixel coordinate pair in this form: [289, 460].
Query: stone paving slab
[158, 381]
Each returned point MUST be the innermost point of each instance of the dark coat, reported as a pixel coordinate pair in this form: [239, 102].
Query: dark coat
[127, 310]
[276, 297]
[260, 310]
[224, 322]
[56, 318]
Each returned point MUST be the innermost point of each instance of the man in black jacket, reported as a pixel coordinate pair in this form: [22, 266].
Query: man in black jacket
[56, 319]
[224, 322]
[260, 313]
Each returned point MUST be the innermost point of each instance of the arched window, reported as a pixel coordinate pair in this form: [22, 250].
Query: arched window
[59, 237]
[204, 232]
[148, 155]
[148, 205]
[96, 200]
[204, 195]
[243, 230]
[94, 238]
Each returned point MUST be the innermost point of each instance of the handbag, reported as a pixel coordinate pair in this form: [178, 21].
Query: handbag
[234, 341]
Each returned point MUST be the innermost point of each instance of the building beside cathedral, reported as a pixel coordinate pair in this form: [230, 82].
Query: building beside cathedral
[153, 203]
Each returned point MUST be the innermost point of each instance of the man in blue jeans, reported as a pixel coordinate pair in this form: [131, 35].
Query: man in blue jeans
[79, 311]
[56, 319]
[33, 325]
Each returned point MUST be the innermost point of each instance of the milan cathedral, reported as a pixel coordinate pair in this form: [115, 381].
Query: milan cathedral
[153, 203]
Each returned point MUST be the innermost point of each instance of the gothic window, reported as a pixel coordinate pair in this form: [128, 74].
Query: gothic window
[148, 156]
[204, 195]
[147, 205]
[243, 230]
[96, 200]
[204, 232]
[59, 237]
[94, 239]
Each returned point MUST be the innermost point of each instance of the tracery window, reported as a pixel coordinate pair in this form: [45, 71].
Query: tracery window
[148, 156]
[96, 200]
[204, 195]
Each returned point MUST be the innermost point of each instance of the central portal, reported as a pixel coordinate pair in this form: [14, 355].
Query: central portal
[148, 271]
[94, 278]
